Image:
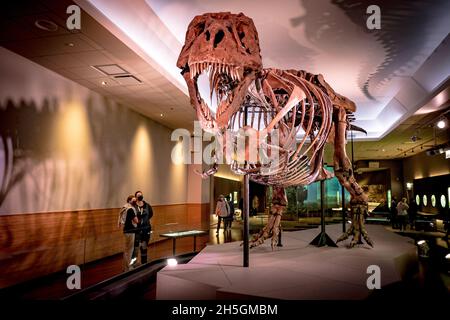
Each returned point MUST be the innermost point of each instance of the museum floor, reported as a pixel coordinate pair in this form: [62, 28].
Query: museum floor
[54, 287]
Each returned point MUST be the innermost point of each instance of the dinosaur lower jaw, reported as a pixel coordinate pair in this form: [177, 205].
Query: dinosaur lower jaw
[225, 83]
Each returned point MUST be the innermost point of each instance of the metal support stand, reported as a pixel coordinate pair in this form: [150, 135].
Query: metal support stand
[246, 222]
[344, 211]
[279, 244]
[353, 152]
[246, 211]
[322, 238]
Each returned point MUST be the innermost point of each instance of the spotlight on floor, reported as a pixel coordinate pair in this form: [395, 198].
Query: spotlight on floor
[423, 248]
[172, 262]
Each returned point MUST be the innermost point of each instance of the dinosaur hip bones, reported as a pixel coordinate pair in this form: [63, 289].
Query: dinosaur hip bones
[303, 110]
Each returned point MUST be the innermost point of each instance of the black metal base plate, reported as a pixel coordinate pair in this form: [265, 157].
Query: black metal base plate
[323, 239]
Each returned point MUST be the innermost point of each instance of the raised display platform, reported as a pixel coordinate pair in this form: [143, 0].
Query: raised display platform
[295, 271]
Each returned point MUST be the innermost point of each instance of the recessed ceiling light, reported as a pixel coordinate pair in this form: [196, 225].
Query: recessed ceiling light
[383, 150]
[70, 44]
[441, 124]
[46, 25]
[111, 69]
[162, 115]
[128, 80]
[104, 83]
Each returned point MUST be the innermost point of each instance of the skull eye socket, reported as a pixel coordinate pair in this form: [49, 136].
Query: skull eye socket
[241, 36]
[218, 37]
[200, 28]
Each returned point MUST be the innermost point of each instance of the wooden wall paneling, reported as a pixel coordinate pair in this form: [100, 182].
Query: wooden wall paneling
[34, 245]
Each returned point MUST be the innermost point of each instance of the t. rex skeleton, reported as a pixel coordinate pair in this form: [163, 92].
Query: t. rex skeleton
[225, 46]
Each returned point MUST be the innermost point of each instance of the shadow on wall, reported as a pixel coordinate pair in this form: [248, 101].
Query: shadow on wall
[55, 157]
[407, 28]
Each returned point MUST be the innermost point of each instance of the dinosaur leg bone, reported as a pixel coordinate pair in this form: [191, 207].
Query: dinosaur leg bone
[272, 228]
[344, 173]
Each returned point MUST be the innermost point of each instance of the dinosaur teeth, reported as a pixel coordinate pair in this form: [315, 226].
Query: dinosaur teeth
[215, 69]
[194, 70]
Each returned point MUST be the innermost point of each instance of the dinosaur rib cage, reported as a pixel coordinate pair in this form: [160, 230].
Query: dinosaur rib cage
[302, 114]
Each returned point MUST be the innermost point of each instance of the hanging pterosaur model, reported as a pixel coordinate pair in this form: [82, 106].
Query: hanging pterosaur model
[300, 107]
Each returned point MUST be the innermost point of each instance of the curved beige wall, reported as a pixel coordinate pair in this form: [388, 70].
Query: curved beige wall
[65, 147]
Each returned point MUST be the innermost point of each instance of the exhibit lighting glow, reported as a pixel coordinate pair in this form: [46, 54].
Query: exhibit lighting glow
[447, 256]
[409, 185]
[420, 242]
[227, 175]
[73, 126]
[141, 156]
[179, 154]
[132, 261]
[172, 262]
[441, 124]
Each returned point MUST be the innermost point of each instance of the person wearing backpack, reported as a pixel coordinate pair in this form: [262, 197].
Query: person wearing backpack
[130, 221]
[144, 214]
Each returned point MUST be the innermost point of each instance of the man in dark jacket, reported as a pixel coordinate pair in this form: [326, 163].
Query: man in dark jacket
[129, 230]
[230, 218]
[144, 213]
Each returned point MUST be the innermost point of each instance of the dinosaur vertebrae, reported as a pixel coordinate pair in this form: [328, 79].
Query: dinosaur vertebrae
[287, 102]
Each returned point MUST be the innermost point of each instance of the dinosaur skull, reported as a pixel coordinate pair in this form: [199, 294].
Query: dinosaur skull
[224, 47]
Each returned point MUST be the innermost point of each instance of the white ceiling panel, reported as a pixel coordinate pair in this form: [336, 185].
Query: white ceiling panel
[328, 37]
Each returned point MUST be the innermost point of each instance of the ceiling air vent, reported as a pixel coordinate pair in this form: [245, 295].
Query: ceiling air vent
[111, 69]
[128, 80]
